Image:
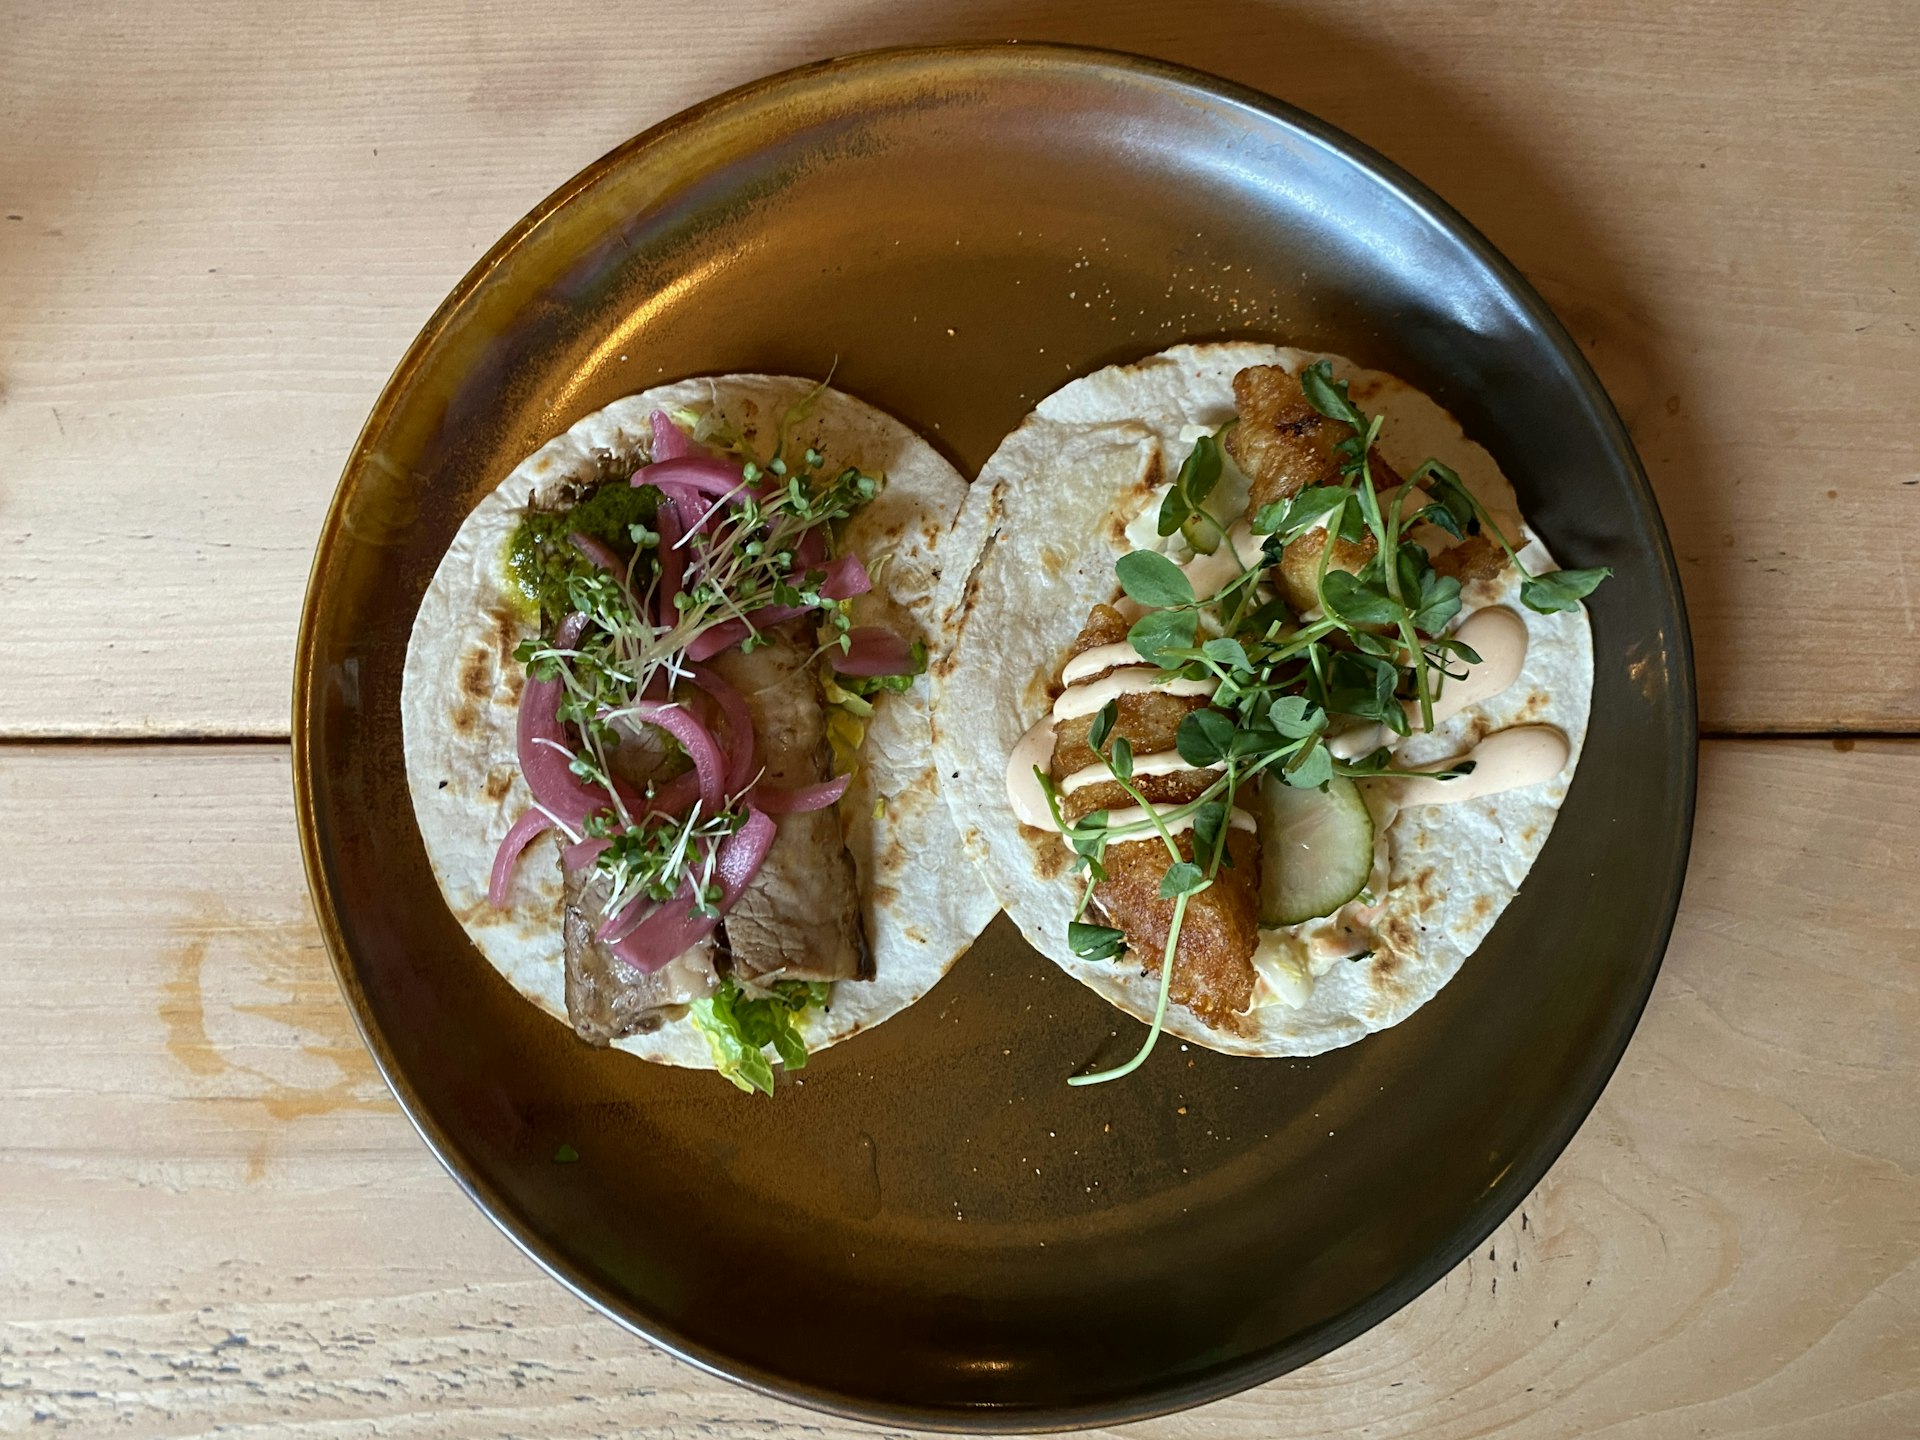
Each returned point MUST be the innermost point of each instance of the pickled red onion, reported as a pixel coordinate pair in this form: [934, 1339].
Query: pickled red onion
[578, 857]
[671, 927]
[540, 739]
[776, 801]
[846, 578]
[740, 738]
[683, 725]
[520, 834]
[729, 633]
[873, 650]
[708, 476]
[672, 563]
[670, 442]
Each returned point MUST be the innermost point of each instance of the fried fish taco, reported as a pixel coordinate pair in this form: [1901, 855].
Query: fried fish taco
[1259, 698]
[666, 734]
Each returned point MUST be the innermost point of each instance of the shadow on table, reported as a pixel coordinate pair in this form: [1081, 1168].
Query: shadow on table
[1427, 120]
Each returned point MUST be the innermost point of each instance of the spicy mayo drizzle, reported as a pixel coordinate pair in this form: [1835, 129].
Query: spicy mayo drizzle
[1084, 696]
[1508, 759]
[1498, 637]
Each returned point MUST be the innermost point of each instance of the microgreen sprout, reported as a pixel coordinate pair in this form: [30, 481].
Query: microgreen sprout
[736, 555]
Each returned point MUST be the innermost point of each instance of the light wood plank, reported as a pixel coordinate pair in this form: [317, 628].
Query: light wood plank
[211, 1215]
[223, 222]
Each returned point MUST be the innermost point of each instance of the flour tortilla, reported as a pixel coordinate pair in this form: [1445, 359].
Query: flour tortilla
[923, 903]
[1043, 525]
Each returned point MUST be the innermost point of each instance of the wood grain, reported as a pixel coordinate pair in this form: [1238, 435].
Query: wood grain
[221, 223]
[212, 1215]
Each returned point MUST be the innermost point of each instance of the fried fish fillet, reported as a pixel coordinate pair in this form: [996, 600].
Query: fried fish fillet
[1213, 961]
[1282, 444]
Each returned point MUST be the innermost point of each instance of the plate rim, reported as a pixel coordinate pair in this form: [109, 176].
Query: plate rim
[1497, 1202]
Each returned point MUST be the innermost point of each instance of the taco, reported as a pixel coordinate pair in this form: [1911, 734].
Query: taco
[1216, 758]
[665, 733]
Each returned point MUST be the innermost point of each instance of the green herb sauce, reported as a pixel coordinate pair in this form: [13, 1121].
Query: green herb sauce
[540, 559]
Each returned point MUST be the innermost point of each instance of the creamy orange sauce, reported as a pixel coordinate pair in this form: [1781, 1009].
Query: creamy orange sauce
[1100, 657]
[1498, 636]
[1160, 762]
[1029, 801]
[1508, 759]
[1078, 700]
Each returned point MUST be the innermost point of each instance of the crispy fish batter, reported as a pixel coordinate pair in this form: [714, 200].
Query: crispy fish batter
[1149, 721]
[1300, 565]
[1282, 444]
[1475, 558]
[1213, 965]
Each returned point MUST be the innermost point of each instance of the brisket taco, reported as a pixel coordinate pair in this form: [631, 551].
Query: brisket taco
[666, 732]
[1259, 697]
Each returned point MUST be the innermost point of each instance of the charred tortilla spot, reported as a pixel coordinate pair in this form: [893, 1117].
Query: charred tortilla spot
[1387, 958]
[997, 505]
[1053, 561]
[894, 857]
[915, 934]
[884, 895]
[1396, 935]
[476, 675]
[499, 782]
[1150, 478]
[506, 631]
[1482, 906]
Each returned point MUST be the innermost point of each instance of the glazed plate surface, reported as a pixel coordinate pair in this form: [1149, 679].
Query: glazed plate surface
[933, 1228]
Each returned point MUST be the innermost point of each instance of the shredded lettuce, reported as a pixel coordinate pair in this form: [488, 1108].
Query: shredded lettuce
[738, 1029]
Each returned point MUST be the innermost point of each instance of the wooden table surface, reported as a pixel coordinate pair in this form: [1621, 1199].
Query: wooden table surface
[221, 223]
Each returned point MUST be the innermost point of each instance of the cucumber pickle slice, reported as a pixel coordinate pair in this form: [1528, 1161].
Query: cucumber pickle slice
[1316, 849]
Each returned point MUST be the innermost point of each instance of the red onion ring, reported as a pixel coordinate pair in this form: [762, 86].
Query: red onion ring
[846, 578]
[683, 725]
[579, 857]
[740, 737]
[777, 801]
[520, 834]
[873, 650]
[673, 564]
[537, 731]
[717, 478]
[670, 928]
[670, 442]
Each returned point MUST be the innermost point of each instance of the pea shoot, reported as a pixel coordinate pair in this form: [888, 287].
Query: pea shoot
[1376, 647]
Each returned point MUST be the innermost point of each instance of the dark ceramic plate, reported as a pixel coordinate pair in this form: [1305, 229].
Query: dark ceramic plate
[934, 1228]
